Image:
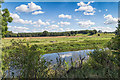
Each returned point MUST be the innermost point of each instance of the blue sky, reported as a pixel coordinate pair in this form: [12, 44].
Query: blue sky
[62, 16]
[59, 0]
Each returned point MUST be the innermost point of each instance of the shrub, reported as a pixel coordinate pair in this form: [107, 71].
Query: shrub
[25, 58]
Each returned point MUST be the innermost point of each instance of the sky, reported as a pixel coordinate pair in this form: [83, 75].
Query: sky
[62, 16]
[60, 0]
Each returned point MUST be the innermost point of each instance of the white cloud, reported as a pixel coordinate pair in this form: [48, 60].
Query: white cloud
[53, 27]
[28, 8]
[86, 24]
[88, 13]
[68, 29]
[37, 12]
[87, 8]
[63, 23]
[106, 9]
[107, 29]
[38, 30]
[40, 22]
[65, 16]
[76, 19]
[110, 19]
[16, 29]
[17, 19]
[61, 29]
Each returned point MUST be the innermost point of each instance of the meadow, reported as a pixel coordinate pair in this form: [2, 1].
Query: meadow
[65, 43]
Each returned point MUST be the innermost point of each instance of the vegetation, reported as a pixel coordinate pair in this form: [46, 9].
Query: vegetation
[101, 64]
[4, 20]
[61, 44]
[27, 59]
[46, 33]
[25, 55]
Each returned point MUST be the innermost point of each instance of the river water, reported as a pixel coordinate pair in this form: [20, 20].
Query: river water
[63, 55]
[67, 55]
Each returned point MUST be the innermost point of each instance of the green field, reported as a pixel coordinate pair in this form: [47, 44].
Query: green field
[65, 43]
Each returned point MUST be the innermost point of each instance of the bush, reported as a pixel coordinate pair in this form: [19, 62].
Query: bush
[103, 63]
[26, 59]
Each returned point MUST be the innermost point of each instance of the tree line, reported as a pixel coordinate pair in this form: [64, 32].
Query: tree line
[46, 33]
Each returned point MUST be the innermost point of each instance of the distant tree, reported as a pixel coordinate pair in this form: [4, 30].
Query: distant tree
[45, 33]
[100, 31]
[95, 31]
[105, 32]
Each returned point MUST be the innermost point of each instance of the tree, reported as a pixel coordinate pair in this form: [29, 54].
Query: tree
[5, 20]
[45, 33]
[100, 31]
[95, 31]
[114, 44]
[118, 29]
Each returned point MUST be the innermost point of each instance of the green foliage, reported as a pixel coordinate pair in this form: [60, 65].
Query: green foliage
[72, 46]
[62, 44]
[5, 19]
[25, 58]
[46, 33]
[118, 29]
[25, 55]
[101, 64]
[104, 63]
[114, 43]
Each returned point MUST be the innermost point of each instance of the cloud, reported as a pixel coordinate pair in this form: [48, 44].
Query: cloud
[37, 12]
[17, 19]
[65, 16]
[61, 29]
[86, 24]
[30, 7]
[38, 30]
[87, 13]
[68, 29]
[76, 19]
[107, 29]
[53, 27]
[106, 9]
[63, 23]
[110, 19]
[87, 8]
[40, 22]
[16, 29]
